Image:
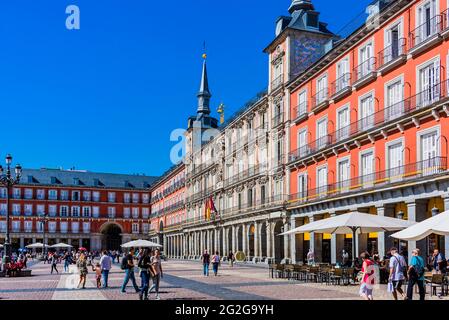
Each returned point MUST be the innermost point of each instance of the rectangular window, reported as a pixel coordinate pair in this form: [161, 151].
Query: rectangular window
[86, 227]
[52, 210]
[342, 75]
[367, 169]
[16, 209]
[428, 24]
[429, 152]
[16, 194]
[96, 196]
[126, 197]
[96, 212]
[395, 161]
[75, 227]
[64, 195]
[135, 213]
[3, 193]
[126, 213]
[3, 226]
[52, 194]
[86, 195]
[28, 209]
[145, 198]
[145, 228]
[321, 90]
[322, 181]
[366, 113]
[52, 226]
[428, 84]
[40, 209]
[343, 175]
[111, 212]
[111, 196]
[302, 186]
[28, 225]
[136, 198]
[64, 226]
[3, 209]
[86, 212]
[145, 213]
[64, 211]
[395, 103]
[343, 122]
[75, 211]
[16, 226]
[366, 61]
[321, 133]
[135, 228]
[28, 193]
[76, 196]
[40, 194]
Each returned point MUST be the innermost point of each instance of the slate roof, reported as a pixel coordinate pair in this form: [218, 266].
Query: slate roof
[73, 178]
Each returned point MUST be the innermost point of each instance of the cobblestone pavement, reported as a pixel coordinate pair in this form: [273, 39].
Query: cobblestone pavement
[183, 280]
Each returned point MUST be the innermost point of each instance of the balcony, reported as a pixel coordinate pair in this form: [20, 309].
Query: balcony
[374, 121]
[410, 172]
[245, 174]
[392, 56]
[365, 72]
[278, 119]
[341, 87]
[426, 35]
[277, 82]
[300, 112]
[320, 100]
[445, 31]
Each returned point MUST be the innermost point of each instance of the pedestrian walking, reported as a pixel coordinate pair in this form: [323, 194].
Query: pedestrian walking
[54, 262]
[156, 263]
[97, 269]
[231, 259]
[367, 277]
[128, 266]
[145, 265]
[67, 261]
[81, 264]
[106, 265]
[310, 257]
[206, 261]
[215, 262]
[398, 271]
[416, 276]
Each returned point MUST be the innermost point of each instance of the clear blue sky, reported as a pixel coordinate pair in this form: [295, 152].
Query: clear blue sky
[106, 97]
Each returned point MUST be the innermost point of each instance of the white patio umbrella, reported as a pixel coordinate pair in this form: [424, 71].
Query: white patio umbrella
[61, 246]
[1, 246]
[355, 223]
[36, 245]
[140, 244]
[438, 224]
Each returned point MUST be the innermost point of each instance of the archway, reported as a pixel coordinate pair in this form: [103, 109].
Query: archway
[278, 242]
[112, 236]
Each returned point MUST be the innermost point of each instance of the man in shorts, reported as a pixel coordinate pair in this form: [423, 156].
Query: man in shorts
[397, 276]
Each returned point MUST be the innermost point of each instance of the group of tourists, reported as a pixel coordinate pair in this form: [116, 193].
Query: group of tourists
[206, 260]
[400, 273]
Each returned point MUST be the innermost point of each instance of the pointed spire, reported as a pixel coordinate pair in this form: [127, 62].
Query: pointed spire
[300, 5]
[204, 94]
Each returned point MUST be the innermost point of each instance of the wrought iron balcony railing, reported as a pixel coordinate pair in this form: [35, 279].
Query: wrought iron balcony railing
[406, 173]
[300, 111]
[341, 85]
[365, 69]
[392, 53]
[426, 31]
[277, 82]
[421, 100]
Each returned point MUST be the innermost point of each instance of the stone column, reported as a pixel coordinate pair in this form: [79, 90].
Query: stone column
[22, 242]
[417, 211]
[446, 238]
[293, 241]
[244, 239]
[201, 243]
[312, 237]
[233, 239]
[165, 244]
[333, 244]
[286, 241]
[384, 242]
[269, 248]
[256, 241]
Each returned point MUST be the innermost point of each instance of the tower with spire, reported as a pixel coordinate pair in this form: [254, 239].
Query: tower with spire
[202, 121]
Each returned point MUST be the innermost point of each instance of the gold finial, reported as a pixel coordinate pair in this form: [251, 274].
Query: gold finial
[220, 110]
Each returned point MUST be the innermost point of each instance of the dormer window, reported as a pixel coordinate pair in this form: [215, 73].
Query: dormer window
[312, 20]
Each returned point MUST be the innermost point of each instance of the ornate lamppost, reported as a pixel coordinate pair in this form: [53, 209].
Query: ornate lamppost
[43, 218]
[7, 180]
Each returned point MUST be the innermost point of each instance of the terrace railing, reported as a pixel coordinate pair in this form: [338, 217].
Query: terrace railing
[426, 30]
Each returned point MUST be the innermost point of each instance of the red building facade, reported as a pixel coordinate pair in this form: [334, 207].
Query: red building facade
[93, 210]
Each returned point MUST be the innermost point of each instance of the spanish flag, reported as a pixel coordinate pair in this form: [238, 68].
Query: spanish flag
[207, 210]
[210, 209]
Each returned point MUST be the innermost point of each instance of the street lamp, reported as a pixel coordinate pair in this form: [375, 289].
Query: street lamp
[8, 181]
[43, 218]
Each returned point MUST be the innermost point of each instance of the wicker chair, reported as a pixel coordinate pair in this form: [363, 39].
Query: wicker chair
[313, 274]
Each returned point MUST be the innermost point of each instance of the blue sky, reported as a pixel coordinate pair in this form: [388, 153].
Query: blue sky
[106, 97]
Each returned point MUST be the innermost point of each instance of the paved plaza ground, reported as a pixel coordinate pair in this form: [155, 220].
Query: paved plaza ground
[183, 280]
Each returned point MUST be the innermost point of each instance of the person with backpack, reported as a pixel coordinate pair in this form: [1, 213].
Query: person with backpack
[398, 272]
[128, 266]
[416, 276]
[206, 261]
[144, 265]
[215, 262]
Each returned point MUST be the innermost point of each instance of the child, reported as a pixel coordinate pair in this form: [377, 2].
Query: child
[97, 269]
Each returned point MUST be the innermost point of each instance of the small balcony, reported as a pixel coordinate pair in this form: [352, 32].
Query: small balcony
[278, 119]
[392, 56]
[409, 172]
[300, 112]
[277, 82]
[341, 87]
[310, 148]
[365, 73]
[320, 100]
[426, 35]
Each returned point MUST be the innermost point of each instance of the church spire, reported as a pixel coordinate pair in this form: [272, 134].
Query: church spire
[204, 94]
